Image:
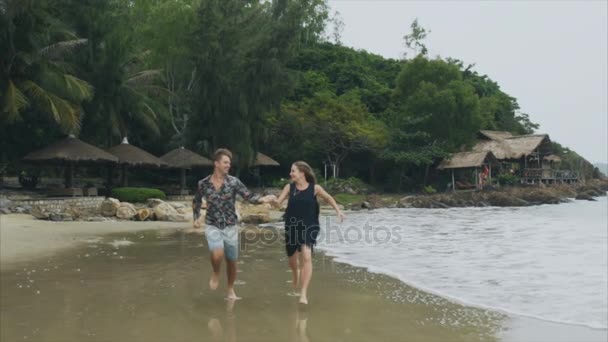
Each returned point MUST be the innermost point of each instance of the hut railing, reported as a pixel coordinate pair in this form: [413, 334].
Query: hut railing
[534, 173]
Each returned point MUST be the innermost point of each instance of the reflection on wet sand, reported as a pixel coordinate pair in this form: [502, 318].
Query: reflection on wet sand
[155, 289]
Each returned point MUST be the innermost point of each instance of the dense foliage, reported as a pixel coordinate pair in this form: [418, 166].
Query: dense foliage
[243, 74]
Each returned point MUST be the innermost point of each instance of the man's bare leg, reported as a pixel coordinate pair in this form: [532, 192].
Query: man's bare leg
[295, 270]
[231, 274]
[216, 262]
[306, 272]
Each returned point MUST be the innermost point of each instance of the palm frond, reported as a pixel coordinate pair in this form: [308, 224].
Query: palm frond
[68, 113]
[60, 49]
[14, 102]
[77, 88]
[61, 110]
[144, 77]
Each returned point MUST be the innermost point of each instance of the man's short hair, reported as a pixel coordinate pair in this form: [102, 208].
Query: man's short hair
[222, 152]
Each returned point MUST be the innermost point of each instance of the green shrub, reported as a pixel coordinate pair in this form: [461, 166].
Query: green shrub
[429, 190]
[352, 185]
[137, 195]
[280, 183]
[507, 179]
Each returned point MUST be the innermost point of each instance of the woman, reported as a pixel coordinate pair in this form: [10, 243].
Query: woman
[302, 221]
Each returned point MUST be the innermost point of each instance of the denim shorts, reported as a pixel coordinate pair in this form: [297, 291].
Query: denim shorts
[226, 239]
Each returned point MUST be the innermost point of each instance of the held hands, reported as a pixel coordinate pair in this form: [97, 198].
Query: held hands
[272, 199]
[340, 215]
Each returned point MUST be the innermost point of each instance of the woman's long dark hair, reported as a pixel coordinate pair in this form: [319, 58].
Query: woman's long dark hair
[308, 172]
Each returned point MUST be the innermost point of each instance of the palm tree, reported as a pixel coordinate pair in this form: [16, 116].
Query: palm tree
[33, 73]
[128, 98]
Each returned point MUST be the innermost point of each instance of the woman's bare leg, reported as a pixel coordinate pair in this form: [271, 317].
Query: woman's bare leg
[306, 253]
[295, 270]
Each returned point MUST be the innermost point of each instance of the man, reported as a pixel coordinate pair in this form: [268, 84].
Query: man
[219, 190]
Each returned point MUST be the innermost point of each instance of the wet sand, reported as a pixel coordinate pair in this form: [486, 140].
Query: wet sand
[149, 283]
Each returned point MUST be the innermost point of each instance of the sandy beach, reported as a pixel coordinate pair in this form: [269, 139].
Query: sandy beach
[146, 281]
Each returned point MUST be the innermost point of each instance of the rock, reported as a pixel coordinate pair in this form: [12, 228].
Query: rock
[39, 213]
[366, 205]
[19, 210]
[586, 197]
[435, 204]
[177, 205]
[109, 206]
[184, 210]
[504, 200]
[176, 218]
[74, 212]
[541, 196]
[61, 217]
[96, 219]
[5, 211]
[125, 211]
[255, 218]
[143, 214]
[5, 203]
[163, 210]
[153, 202]
[405, 202]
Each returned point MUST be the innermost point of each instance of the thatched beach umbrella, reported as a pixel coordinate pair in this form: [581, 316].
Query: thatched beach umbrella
[69, 152]
[184, 159]
[262, 160]
[132, 156]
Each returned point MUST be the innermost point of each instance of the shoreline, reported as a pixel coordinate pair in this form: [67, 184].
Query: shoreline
[332, 272]
[455, 300]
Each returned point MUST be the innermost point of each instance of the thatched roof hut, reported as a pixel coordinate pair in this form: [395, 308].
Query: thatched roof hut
[68, 152]
[264, 160]
[494, 135]
[463, 160]
[183, 158]
[134, 156]
[70, 149]
[515, 147]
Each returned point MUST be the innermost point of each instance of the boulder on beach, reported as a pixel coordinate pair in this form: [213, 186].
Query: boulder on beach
[39, 213]
[163, 210]
[109, 207]
[143, 214]
[126, 211]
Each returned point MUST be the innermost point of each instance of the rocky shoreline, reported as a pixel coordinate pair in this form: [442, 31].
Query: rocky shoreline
[157, 210]
[503, 197]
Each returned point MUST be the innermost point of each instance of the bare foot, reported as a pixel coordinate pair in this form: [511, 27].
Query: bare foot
[303, 299]
[214, 282]
[232, 295]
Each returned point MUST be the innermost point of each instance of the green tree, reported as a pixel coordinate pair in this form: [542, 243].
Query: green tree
[240, 50]
[129, 98]
[435, 91]
[33, 74]
[413, 40]
[336, 127]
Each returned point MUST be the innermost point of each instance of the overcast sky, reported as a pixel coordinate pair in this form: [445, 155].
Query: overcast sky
[550, 55]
